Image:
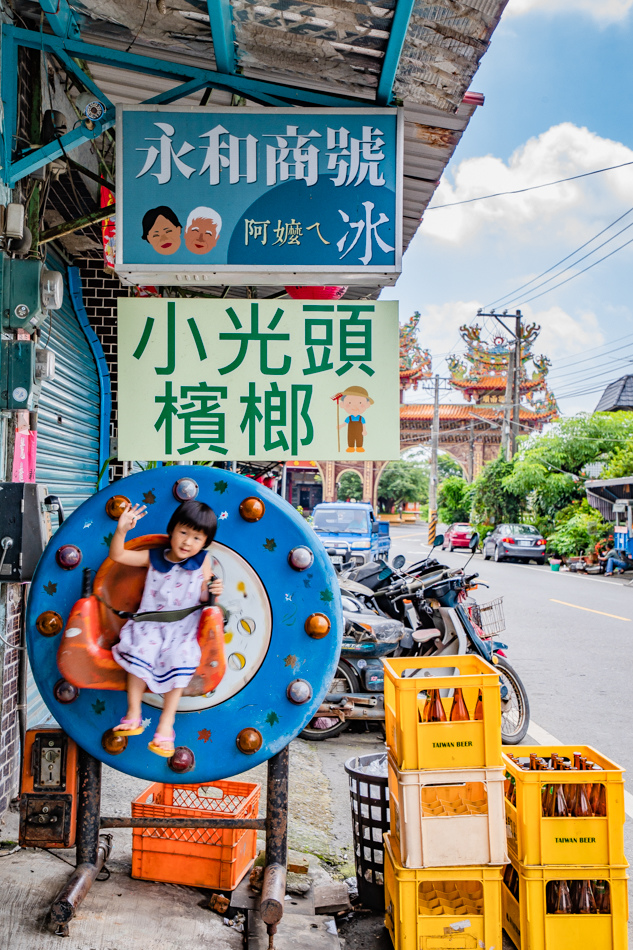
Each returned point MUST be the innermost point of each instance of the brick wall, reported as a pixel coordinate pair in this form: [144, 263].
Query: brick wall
[9, 734]
[101, 291]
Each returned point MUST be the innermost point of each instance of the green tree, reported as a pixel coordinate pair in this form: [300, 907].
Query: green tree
[620, 465]
[579, 528]
[350, 486]
[447, 467]
[454, 499]
[402, 482]
[493, 501]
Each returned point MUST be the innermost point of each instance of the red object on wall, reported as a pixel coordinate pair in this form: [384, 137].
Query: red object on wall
[316, 293]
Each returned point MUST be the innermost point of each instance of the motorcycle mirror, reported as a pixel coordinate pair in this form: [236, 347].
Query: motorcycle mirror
[399, 561]
[473, 544]
[439, 539]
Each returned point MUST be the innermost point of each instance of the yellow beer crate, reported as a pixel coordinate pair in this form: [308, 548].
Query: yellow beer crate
[441, 908]
[474, 744]
[530, 927]
[584, 842]
[448, 818]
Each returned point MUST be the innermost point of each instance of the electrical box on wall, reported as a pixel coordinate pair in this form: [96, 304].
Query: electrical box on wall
[29, 291]
[48, 795]
[17, 374]
[25, 529]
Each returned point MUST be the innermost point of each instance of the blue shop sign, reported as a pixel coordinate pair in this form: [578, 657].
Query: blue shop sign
[269, 195]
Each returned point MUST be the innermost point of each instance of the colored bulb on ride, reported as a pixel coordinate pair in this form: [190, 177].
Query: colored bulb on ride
[113, 742]
[68, 556]
[183, 760]
[301, 558]
[317, 626]
[299, 692]
[116, 505]
[49, 624]
[65, 692]
[185, 489]
[252, 509]
[249, 741]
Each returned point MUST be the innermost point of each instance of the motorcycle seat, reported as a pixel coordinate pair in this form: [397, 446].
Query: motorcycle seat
[423, 635]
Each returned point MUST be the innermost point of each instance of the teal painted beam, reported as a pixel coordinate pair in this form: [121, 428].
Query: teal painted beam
[71, 66]
[397, 36]
[61, 18]
[221, 21]
[188, 88]
[55, 149]
[240, 85]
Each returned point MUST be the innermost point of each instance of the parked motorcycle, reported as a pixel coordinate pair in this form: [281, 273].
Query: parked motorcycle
[432, 603]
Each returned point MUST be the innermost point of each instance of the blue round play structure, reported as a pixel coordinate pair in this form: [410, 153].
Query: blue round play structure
[286, 653]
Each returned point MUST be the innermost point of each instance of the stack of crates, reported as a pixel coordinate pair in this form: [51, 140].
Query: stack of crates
[544, 850]
[446, 850]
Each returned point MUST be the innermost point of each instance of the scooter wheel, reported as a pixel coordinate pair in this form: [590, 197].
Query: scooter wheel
[345, 681]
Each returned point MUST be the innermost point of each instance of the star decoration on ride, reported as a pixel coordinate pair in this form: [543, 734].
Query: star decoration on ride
[204, 735]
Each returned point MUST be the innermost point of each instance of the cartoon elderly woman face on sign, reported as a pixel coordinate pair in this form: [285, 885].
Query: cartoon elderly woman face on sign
[202, 230]
[162, 229]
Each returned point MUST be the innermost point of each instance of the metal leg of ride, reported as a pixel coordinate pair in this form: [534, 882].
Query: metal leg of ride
[93, 849]
[274, 886]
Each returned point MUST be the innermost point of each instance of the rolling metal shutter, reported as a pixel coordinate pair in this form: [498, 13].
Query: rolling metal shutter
[69, 441]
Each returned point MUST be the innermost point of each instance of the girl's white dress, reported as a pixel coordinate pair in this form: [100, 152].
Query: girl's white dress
[165, 655]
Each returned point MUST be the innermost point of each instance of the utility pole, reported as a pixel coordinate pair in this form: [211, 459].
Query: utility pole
[511, 424]
[471, 451]
[517, 381]
[435, 438]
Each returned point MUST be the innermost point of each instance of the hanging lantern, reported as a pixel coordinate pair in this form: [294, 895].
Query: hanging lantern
[316, 293]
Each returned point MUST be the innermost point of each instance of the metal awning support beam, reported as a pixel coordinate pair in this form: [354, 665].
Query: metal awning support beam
[189, 79]
[220, 18]
[240, 85]
[61, 18]
[397, 36]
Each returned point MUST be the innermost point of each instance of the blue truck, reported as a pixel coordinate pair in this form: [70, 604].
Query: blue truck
[350, 531]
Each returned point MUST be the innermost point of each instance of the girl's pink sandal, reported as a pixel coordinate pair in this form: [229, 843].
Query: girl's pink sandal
[163, 745]
[129, 727]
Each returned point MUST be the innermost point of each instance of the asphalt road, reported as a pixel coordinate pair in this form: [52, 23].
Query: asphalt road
[570, 639]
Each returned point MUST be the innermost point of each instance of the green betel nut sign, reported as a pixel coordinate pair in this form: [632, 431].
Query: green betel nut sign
[209, 380]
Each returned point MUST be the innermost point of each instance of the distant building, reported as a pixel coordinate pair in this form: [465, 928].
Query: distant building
[617, 396]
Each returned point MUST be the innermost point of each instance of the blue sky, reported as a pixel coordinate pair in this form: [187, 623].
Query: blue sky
[558, 79]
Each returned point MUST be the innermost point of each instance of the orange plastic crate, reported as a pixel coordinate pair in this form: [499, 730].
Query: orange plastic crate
[200, 857]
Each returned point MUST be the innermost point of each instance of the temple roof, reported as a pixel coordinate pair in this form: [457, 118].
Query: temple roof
[493, 382]
[449, 413]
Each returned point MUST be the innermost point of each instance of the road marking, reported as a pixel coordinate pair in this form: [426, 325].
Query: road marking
[594, 580]
[545, 738]
[589, 610]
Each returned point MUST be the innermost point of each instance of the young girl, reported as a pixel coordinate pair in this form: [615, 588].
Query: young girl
[164, 656]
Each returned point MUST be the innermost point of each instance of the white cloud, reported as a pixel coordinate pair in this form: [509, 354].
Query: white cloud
[561, 152]
[603, 11]
[563, 335]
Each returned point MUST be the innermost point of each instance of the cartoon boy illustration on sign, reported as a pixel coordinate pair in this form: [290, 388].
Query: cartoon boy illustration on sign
[162, 229]
[354, 400]
[202, 230]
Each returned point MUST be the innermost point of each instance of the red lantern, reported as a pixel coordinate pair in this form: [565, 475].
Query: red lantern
[316, 293]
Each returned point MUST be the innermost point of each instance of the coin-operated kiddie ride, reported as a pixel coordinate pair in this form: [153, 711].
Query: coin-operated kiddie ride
[268, 655]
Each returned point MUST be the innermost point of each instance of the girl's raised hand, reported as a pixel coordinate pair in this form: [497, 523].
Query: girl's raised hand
[216, 586]
[130, 517]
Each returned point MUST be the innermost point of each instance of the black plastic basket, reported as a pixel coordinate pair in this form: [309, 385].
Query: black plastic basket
[369, 795]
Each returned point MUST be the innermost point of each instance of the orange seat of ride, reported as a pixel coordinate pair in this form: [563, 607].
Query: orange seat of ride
[85, 655]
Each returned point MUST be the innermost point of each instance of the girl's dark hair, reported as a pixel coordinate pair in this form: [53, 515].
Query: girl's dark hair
[196, 515]
[149, 218]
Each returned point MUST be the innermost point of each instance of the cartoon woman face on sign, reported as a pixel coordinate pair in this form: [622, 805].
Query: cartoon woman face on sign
[162, 230]
[202, 230]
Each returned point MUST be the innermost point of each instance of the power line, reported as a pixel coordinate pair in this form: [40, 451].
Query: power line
[520, 191]
[573, 276]
[572, 359]
[512, 294]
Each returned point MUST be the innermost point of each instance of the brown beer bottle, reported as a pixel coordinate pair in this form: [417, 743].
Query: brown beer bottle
[598, 800]
[582, 808]
[436, 709]
[558, 807]
[533, 762]
[601, 895]
[586, 902]
[459, 711]
[561, 899]
[479, 708]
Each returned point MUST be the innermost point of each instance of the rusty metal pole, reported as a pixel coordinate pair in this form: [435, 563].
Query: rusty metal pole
[92, 851]
[274, 885]
[88, 808]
